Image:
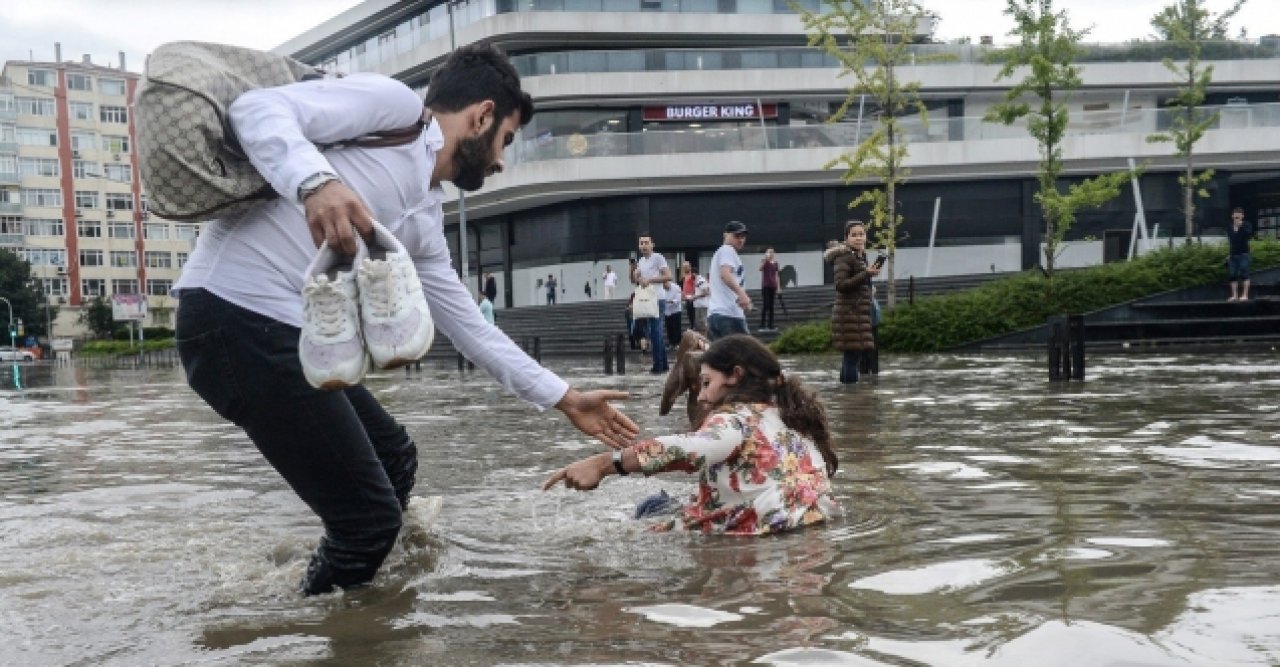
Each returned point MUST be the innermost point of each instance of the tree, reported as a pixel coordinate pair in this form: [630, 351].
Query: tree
[1046, 50]
[25, 294]
[96, 316]
[1189, 25]
[872, 41]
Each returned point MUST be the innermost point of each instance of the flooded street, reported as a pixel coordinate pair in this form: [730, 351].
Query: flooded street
[991, 518]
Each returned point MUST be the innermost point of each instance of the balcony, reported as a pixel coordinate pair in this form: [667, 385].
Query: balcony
[10, 178]
[12, 240]
[10, 208]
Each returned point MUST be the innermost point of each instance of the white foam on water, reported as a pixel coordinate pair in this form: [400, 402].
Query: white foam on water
[815, 657]
[1204, 452]
[971, 539]
[939, 577]
[684, 615]
[951, 469]
[998, 458]
[1072, 553]
[1129, 541]
[995, 486]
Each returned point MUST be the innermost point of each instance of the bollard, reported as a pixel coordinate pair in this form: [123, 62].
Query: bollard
[622, 354]
[1075, 325]
[608, 354]
[911, 290]
[1056, 332]
[537, 349]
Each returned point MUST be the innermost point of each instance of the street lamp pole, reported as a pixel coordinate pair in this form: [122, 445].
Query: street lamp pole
[13, 333]
[462, 196]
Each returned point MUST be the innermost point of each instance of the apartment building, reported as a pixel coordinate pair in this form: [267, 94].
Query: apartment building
[71, 201]
[674, 116]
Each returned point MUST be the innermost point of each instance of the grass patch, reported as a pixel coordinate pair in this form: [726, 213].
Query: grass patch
[101, 348]
[1019, 302]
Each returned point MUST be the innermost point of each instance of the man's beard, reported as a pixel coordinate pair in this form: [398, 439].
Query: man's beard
[471, 160]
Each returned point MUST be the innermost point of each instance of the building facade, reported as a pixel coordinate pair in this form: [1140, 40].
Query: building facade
[71, 201]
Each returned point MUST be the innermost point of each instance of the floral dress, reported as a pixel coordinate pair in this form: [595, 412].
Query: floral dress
[756, 475]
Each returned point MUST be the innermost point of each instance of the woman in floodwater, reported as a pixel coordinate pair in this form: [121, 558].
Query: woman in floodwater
[763, 454]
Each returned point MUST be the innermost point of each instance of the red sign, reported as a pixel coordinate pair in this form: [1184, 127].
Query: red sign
[709, 112]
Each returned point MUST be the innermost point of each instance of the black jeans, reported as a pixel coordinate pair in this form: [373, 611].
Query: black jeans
[767, 294]
[849, 362]
[344, 456]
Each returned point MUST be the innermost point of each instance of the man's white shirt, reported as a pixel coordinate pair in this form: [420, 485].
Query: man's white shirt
[724, 300]
[651, 267]
[257, 259]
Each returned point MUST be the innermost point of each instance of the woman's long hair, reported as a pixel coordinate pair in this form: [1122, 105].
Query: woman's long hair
[763, 382]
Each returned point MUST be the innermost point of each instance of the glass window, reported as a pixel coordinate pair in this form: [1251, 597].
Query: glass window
[93, 287]
[90, 258]
[124, 286]
[156, 231]
[6, 102]
[113, 114]
[86, 199]
[41, 197]
[45, 256]
[111, 86]
[119, 201]
[158, 259]
[79, 81]
[115, 143]
[83, 141]
[120, 173]
[8, 164]
[159, 287]
[124, 258]
[89, 229]
[181, 258]
[8, 134]
[35, 106]
[32, 136]
[185, 232]
[81, 110]
[54, 286]
[120, 230]
[84, 169]
[36, 166]
[44, 227]
[41, 77]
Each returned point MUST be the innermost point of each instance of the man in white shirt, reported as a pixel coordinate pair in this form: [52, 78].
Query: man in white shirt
[671, 294]
[701, 299]
[729, 301]
[610, 281]
[240, 293]
[652, 269]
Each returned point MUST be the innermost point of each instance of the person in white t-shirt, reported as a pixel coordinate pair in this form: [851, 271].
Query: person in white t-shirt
[726, 313]
[610, 281]
[240, 295]
[652, 269]
[672, 295]
[701, 299]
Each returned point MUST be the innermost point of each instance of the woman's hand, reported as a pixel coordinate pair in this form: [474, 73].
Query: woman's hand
[584, 475]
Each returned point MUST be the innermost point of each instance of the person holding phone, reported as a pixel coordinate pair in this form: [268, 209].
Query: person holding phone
[851, 329]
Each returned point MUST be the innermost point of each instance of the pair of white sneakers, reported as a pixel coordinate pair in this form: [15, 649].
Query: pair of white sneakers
[355, 309]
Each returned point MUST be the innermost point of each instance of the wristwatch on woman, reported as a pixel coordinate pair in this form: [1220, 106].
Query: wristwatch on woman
[314, 182]
[617, 462]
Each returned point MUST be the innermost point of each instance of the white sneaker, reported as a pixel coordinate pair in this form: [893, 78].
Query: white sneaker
[331, 347]
[393, 311]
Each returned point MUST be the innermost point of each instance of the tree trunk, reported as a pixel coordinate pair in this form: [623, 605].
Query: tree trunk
[1189, 201]
[892, 301]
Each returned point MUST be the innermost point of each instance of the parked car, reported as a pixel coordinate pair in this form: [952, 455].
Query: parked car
[10, 353]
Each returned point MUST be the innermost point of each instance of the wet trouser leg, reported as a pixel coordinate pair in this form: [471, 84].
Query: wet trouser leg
[849, 366]
[344, 456]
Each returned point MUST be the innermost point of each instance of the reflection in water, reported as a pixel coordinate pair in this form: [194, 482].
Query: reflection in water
[991, 518]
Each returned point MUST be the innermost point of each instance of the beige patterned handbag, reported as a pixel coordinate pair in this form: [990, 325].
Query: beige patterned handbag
[191, 164]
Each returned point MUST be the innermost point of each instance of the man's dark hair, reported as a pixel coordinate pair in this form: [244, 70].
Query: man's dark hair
[1237, 210]
[475, 73]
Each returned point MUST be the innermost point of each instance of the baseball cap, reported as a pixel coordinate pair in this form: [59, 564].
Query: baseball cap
[735, 227]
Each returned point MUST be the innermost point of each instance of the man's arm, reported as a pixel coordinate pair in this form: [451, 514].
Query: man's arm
[279, 127]
[726, 274]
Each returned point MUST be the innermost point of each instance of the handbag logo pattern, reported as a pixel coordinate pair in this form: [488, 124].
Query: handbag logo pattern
[187, 155]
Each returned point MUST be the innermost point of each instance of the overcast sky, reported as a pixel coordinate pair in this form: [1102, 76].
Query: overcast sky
[103, 28]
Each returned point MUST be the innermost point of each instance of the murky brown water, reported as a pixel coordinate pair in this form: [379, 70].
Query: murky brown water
[992, 518]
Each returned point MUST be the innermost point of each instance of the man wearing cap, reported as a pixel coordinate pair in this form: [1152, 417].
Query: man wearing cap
[726, 313]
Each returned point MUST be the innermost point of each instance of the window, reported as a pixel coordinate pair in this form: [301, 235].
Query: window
[93, 287]
[41, 197]
[54, 286]
[182, 259]
[186, 232]
[111, 86]
[38, 166]
[124, 286]
[81, 110]
[156, 231]
[11, 225]
[45, 227]
[89, 229]
[45, 256]
[158, 259]
[33, 136]
[6, 101]
[83, 141]
[41, 77]
[124, 258]
[84, 169]
[35, 106]
[120, 229]
[79, 81]
[159, 287]
[115, 144]
[90, 258]
[121, 173]
[86, 199]
[8, 133]
[119, 201]
[9, 196]
[8, 164]
[112, 114]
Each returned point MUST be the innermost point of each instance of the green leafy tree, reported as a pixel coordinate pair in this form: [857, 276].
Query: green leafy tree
[1188, 25]
[24, 292]
[1046, 49]
[871, 39]
[96, 316]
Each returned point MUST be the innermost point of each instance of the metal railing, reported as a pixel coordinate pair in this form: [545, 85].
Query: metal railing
[754, 138]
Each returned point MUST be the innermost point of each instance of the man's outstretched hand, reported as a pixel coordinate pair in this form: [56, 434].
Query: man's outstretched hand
[335, 213]
[592, 414]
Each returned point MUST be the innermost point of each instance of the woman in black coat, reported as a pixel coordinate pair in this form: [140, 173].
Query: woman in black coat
[851, 331]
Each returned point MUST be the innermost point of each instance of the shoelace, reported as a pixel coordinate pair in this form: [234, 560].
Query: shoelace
[326, 307]
[381, 297]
